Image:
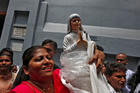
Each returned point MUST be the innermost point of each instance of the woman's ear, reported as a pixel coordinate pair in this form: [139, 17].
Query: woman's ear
[25, 69]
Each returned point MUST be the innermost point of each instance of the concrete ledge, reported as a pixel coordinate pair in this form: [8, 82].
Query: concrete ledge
[97, 31]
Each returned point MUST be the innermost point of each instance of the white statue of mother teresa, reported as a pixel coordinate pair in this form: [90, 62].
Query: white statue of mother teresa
[77, 74]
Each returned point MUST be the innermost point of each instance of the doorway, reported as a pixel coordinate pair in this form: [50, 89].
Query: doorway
[2, 18]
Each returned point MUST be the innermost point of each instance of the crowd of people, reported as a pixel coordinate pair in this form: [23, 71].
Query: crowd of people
[84, 69]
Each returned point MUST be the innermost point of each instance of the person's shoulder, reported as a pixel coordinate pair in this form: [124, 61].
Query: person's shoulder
[56, 72]
[130, 71]
[137, 90]
[56, 76]
[59, 87]
[68, 35]
[19, 89]
[111, 89]
[138, 86]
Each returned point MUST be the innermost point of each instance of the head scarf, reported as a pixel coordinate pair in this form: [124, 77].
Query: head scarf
[69, 29]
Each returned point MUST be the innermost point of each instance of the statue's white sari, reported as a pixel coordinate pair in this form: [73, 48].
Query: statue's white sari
[78, 75]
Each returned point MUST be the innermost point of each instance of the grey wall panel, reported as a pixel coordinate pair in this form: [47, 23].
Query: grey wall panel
[96, 31]
[40, 36]
[106, 13]
[42, 16]
[116, 45]
[6, 33]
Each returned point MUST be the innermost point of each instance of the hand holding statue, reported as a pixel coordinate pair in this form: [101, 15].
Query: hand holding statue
[98, 58]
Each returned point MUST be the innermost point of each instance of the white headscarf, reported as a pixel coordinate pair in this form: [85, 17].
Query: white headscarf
[75, 15]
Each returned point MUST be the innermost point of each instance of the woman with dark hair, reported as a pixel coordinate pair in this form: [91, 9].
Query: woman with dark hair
[38, 65]
[6, 75]
[51, 47]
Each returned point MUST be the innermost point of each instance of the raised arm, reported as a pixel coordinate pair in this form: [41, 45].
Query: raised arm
[98, 58]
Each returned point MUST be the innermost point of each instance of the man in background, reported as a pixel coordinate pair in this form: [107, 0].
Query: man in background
[51, 46]
[115, 74]
[123, 59]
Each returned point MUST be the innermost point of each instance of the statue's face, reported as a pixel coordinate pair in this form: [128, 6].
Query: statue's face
[75, 24]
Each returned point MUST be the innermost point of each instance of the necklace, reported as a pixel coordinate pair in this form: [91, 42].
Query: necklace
[50, 88]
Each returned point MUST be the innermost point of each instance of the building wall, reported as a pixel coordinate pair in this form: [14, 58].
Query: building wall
[105, 13]
[19, 28]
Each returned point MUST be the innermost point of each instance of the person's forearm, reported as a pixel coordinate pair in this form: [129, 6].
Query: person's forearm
[70, 48]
